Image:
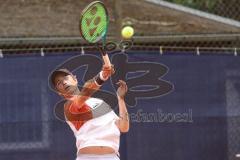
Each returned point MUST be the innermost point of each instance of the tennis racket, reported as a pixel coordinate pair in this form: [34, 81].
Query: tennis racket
[93, 27]
[94, 22]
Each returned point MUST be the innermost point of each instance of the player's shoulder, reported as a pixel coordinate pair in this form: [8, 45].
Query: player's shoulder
[94, 101]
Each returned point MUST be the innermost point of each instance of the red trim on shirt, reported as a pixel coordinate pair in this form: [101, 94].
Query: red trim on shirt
[75, 110]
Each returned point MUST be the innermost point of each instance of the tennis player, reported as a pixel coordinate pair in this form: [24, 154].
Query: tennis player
[97, 133]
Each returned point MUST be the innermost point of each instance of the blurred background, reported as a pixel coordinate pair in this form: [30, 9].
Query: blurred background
[197, 40]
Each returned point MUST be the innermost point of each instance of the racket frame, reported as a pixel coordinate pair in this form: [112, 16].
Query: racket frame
[104, 34]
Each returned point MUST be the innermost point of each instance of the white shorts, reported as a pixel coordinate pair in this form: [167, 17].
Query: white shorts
[97, 157]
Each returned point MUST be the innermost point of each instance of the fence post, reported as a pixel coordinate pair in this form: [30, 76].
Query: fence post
[1, 53]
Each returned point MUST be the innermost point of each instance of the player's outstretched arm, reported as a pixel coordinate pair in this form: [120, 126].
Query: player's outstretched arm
[92, 85]
[123, 121]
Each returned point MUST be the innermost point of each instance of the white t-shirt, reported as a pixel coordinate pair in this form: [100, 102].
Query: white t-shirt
[100, 131]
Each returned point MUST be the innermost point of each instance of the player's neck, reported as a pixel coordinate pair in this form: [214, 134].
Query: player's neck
[77, 91]
[73, 96]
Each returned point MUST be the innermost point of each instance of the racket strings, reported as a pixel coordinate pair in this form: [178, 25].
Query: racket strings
[94, 23]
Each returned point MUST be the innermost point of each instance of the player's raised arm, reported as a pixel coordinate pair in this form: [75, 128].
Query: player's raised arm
[123, 121]
[66, 84]
[92, 85]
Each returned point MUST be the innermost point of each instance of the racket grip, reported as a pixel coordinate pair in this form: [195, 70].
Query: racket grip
[103, 52]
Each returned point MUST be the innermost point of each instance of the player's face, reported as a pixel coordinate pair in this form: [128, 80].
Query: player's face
[66, 85]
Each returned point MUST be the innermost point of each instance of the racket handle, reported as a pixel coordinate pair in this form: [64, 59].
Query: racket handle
[105, 57]
[103, 52]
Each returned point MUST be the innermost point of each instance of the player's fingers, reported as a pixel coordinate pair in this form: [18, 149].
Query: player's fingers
[122, 81]
[119, 83]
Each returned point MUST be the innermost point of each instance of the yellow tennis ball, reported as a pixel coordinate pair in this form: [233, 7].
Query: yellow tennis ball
[127, 32]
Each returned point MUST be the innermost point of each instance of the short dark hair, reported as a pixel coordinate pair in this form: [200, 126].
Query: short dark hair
[57, 72]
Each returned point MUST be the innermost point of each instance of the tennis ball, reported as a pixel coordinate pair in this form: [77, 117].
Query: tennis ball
[127, 32]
